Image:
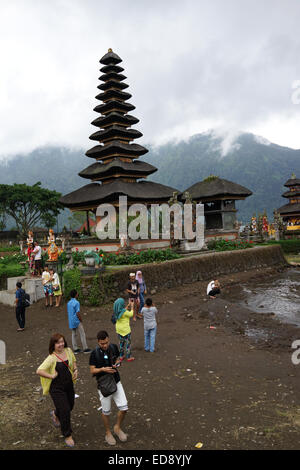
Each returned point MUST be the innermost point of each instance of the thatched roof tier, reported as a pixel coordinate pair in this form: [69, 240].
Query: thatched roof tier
[111, 68]
[289, 209]
[113, 95]
[115, 118]
[112, 76]
[111, 58]
[217, 188]
[116, 133]
[116, 148]
[292, 182]
[137, 169]
[114, 106]
[94, 194]
[291, 194]
[112, 84]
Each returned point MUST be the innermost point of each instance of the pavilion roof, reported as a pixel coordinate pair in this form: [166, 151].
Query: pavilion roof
[289, 209]
[218, 187]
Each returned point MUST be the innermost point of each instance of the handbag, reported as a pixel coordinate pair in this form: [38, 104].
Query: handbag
[107, 385]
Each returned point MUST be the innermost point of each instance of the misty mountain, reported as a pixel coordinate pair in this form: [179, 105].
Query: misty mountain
[261, 166]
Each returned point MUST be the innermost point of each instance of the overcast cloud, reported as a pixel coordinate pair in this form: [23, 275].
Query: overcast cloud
[191, 66]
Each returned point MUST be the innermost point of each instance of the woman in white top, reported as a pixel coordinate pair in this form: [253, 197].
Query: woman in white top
[54, 278]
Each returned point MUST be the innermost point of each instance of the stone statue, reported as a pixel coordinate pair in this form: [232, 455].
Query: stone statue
[52, 249]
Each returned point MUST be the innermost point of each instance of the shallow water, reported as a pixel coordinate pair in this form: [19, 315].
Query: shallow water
[280, 295]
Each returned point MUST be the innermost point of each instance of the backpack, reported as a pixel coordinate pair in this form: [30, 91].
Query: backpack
[114, 318]
[25, 300]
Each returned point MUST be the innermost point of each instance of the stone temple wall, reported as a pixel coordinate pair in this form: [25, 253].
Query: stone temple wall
[169, 274]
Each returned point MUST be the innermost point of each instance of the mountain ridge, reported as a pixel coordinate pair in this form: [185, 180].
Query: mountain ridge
[261, 167]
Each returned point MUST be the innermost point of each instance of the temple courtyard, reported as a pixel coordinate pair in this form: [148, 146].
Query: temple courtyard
[207, 382]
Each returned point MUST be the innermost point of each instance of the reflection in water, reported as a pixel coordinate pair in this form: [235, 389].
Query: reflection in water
[280, 296]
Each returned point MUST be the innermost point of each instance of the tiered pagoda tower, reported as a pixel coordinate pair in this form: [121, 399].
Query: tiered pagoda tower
[117, 170]
[291, 212]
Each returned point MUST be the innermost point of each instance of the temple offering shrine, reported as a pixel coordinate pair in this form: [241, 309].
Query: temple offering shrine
[290, 212]
[218, 196]
[116, 170]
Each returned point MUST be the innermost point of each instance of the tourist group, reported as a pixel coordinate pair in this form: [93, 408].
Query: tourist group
[59, 372]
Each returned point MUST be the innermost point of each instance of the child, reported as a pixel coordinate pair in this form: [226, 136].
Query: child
[123, 329]
[150, 325]
[213, 288]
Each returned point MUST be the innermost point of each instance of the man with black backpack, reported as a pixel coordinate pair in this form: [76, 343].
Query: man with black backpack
[104, 361]
[22, 301]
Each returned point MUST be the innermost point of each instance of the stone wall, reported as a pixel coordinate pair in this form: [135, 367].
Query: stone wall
[204, 267]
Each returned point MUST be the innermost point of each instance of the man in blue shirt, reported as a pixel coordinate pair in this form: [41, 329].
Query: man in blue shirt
[75, 323]
[20, 308]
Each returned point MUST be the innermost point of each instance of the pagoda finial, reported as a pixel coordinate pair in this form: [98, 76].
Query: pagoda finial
[293, 176]
[110, 50]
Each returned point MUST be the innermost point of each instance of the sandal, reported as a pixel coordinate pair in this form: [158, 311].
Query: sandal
[110, 439]
[121, 435]
[69, 443]
[53, 416]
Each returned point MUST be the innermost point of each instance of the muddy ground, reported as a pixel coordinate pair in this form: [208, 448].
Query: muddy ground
[218, 386]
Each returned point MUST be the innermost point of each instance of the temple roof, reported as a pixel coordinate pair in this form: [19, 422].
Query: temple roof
[94, 194]
[292, 182]
[116, 132]
[289, 209]
[135, 168]
[115, 118]
[112, 76]
[116, 147]
[217, 187]
[118, 176]
[113, 84]
[113, 95]
[291, 194]
[111, 68]
[110, 58]
[114, 105]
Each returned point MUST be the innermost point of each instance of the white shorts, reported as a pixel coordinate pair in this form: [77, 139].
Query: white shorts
[119, 398]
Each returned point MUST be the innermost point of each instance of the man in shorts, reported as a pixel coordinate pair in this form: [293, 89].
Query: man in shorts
[105, 359]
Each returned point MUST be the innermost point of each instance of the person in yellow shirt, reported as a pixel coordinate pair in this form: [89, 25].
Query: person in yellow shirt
[123, 330]
[58, 373]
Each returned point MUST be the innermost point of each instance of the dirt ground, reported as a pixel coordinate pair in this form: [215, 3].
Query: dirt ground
[214, 385]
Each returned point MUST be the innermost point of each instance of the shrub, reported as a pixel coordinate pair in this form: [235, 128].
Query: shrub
[72, 280]
[228, 245]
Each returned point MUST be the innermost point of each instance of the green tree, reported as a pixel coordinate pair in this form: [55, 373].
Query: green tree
[29, 205]
[2, 217]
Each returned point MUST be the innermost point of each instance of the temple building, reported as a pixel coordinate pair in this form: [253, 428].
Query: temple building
[218, 196]
[116, 170]
[290, 212]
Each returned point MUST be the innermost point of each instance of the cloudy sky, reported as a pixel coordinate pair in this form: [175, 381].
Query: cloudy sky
[191, 66]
